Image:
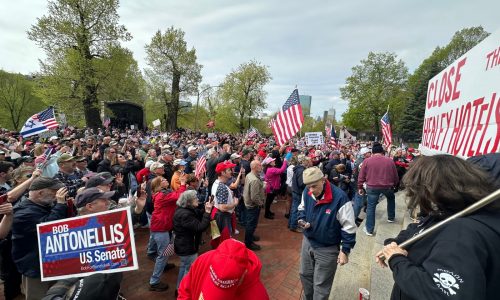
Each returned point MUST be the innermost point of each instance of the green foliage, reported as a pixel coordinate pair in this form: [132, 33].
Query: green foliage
[413, 118]
[174, 67]
[243, 94]
[17, 100]
[377, 82]
[81, 40]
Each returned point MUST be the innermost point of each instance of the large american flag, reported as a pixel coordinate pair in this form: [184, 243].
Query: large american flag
[386, 130]
[201, 166]
[334, 143]
[289, 120]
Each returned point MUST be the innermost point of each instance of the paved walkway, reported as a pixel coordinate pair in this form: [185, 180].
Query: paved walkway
[280, 257]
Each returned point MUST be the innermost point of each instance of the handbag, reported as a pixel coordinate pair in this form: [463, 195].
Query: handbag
[170, 250]
[214, 230]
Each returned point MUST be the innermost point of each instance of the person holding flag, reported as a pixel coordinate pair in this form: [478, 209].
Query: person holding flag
[40, 122]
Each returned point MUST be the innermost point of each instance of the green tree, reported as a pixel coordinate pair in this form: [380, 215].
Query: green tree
[413, 117]
[17, 100]
[76, 36]
[243, 92]
[174, 67]
[377, 82]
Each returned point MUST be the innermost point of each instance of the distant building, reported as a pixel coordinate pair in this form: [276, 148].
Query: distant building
[325, 116]
[332, 114]
[305, 102]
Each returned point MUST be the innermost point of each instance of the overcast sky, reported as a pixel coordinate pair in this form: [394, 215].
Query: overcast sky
[311, 44]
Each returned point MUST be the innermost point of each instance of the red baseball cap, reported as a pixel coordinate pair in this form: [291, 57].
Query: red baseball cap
[227, 271]
[224, 165]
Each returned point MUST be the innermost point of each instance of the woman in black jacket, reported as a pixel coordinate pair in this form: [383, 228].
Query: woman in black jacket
[460, 260]
[189, 221]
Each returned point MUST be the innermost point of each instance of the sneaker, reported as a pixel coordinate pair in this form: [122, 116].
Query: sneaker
[256, 238]
[366, 232]
[254, 247]
[358, 221]
[168, 267]
[159, 287]
[390, 221]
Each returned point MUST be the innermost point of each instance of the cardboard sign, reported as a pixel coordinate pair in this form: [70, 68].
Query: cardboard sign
[156, 123]
[85, 245]
[462, 113]
[314, 138]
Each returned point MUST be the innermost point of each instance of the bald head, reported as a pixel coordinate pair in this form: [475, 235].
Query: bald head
[256, 166]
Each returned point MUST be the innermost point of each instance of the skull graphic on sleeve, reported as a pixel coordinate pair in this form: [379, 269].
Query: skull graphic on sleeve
[446, 281]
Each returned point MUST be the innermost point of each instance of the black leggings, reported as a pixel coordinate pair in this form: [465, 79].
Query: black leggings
[269, 201]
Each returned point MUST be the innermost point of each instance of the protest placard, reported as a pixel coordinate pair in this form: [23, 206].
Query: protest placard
[85, 245]
[156, 123]
[314, 138]
[462, 114]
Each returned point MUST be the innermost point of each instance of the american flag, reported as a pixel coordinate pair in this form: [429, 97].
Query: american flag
[201, 166]
[41, 161]
[252, 132]
[385, 122]
[289, 120]
[328, 129]
[333, 138]
[40, 122]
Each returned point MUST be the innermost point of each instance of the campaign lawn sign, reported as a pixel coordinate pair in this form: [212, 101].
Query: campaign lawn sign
[85, 245]
[462, 113]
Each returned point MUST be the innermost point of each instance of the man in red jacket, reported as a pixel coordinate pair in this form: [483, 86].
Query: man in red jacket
[380, 176]
[229, 272]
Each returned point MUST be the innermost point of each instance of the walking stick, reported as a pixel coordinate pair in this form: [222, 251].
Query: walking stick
[474, 207]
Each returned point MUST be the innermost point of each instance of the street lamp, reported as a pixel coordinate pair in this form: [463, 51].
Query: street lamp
[198, 103]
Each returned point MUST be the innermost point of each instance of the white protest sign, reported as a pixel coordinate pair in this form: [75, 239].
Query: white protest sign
[462, 113]
[156, 123]
[314, 138]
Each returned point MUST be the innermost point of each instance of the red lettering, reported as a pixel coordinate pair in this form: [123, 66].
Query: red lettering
[448, 124]
[464, 120]
[497, 119]
[434, 131]
[429, 101]
[456, 92]
[443, 116]
[447, 95]
[456, 129]
[487, 123]
[475, 105]
[479, 127]
[442, 89]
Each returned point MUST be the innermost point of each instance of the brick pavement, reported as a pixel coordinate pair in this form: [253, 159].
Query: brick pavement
[280, 257]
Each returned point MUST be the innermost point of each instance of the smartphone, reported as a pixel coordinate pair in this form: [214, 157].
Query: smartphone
[3, 199]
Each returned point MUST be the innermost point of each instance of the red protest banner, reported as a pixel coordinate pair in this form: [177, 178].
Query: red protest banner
[85, 245]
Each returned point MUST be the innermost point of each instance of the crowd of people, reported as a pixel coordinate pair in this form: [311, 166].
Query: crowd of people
[182, 184]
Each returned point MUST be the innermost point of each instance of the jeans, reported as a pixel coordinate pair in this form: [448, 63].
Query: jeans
[251, 223]
[186, 262]
[359, 202]
[373, 197]
[151, 248]
[241, 212]
[317, 270]
[161, 239]
[294, 212]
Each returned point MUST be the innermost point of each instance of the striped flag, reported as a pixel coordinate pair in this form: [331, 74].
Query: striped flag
[333, 138]
[40, 122]
[385, 123]
[252, 132]
[106, 122]
[201, 166]
[289, 120]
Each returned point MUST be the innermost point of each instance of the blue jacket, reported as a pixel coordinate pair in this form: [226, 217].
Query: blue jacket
[331, 218]
[24, 238]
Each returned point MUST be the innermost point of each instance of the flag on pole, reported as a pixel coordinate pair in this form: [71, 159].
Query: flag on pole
[201, 166]
[106, 122]
[252, 132]
[40, 122]
[333, 138]
[289, 119]
[386, 130]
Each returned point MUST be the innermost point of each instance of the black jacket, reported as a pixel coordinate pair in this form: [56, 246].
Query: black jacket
[27, 215]
[459, 261]
[104, 166]
[188, 223]
[298, 185]
[211, 164]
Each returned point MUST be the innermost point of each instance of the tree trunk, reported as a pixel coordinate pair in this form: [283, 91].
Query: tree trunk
[174, 103]
[91, 108]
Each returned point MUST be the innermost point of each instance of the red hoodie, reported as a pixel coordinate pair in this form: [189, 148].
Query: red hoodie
[229, 272]
[162, 218]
